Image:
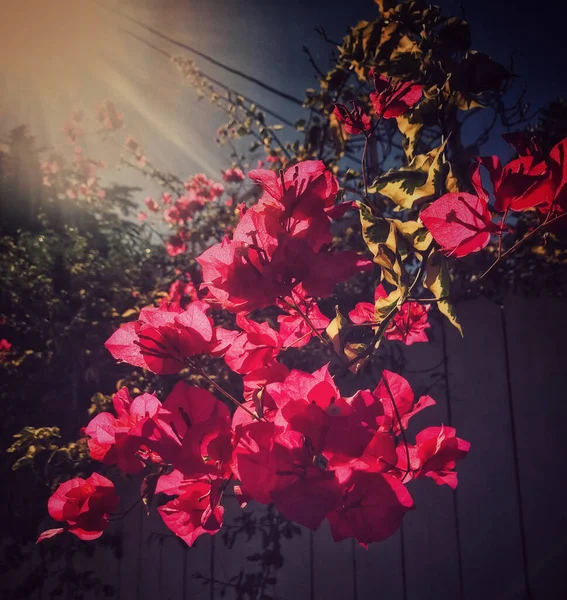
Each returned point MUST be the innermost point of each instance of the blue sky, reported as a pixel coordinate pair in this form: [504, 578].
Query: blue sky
[77, 53]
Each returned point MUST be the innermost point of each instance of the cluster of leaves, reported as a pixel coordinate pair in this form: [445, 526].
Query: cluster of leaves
[71, 268]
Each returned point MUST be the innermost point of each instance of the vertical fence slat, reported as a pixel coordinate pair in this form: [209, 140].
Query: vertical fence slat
[232, 564]
[103, 563]
[149, 575]
[536, 332]
[196, 561]
[490, 532]
[131, 563]
[293, 579]
[431, 551]
[172, 564]
[379, 570]
[332, 568]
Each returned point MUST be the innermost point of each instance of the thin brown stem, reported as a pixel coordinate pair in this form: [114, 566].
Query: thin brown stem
[380, 331]
[308, 322]
[402, 430]
[546, 222]
[297, 341]
[363, 166]
[220, 389]
[502, 233]
[118, 516]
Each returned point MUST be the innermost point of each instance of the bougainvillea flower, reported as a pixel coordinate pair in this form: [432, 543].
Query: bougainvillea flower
[311, 404]
[305, 494]
[188, 405]
[392, 100]
[393, 389]
[522, 144]
[273, 372]
[109, 117]
[378, 455]
[5, 345]
[372, 509]
[117, 440]
[300, 196]
[162, 338]
[355, 121]
[191, 514]
[255, 346]
[84, 505]
[243, 278]
[280, 242]
[233, 175]
[521, 184]
[309, 181]
[300, 490]
[203, 187]
[294, 330]
[460, 223]
[529, 181]
[408, 325]
[254, 462]
[558, 164]
[151, 204]
[231, 276]
[181, 292]
[436, 453]
[194, 418]
[176, 244]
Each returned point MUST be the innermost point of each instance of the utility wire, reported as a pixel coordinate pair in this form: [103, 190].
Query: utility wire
[214, 81]
[207, 57]
[229, 89]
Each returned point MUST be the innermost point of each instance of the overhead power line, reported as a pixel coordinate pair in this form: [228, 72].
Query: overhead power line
[207, 57]
[215, 81]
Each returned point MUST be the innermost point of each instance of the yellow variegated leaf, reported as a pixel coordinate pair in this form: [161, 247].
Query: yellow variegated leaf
[411, 132]
[386, 34]
[464, 103]
[411, 124]
[451, 182]
[418, 181]
[337, 136]
[336, 331]
[352, 350]
[416, 235]
[381, 237]
[376, 230]
[384, 306]
[458, 99]
[386, 5]
[438, 281]
[391, 264]
[448, 309]
[406, 47]
[437, 278]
